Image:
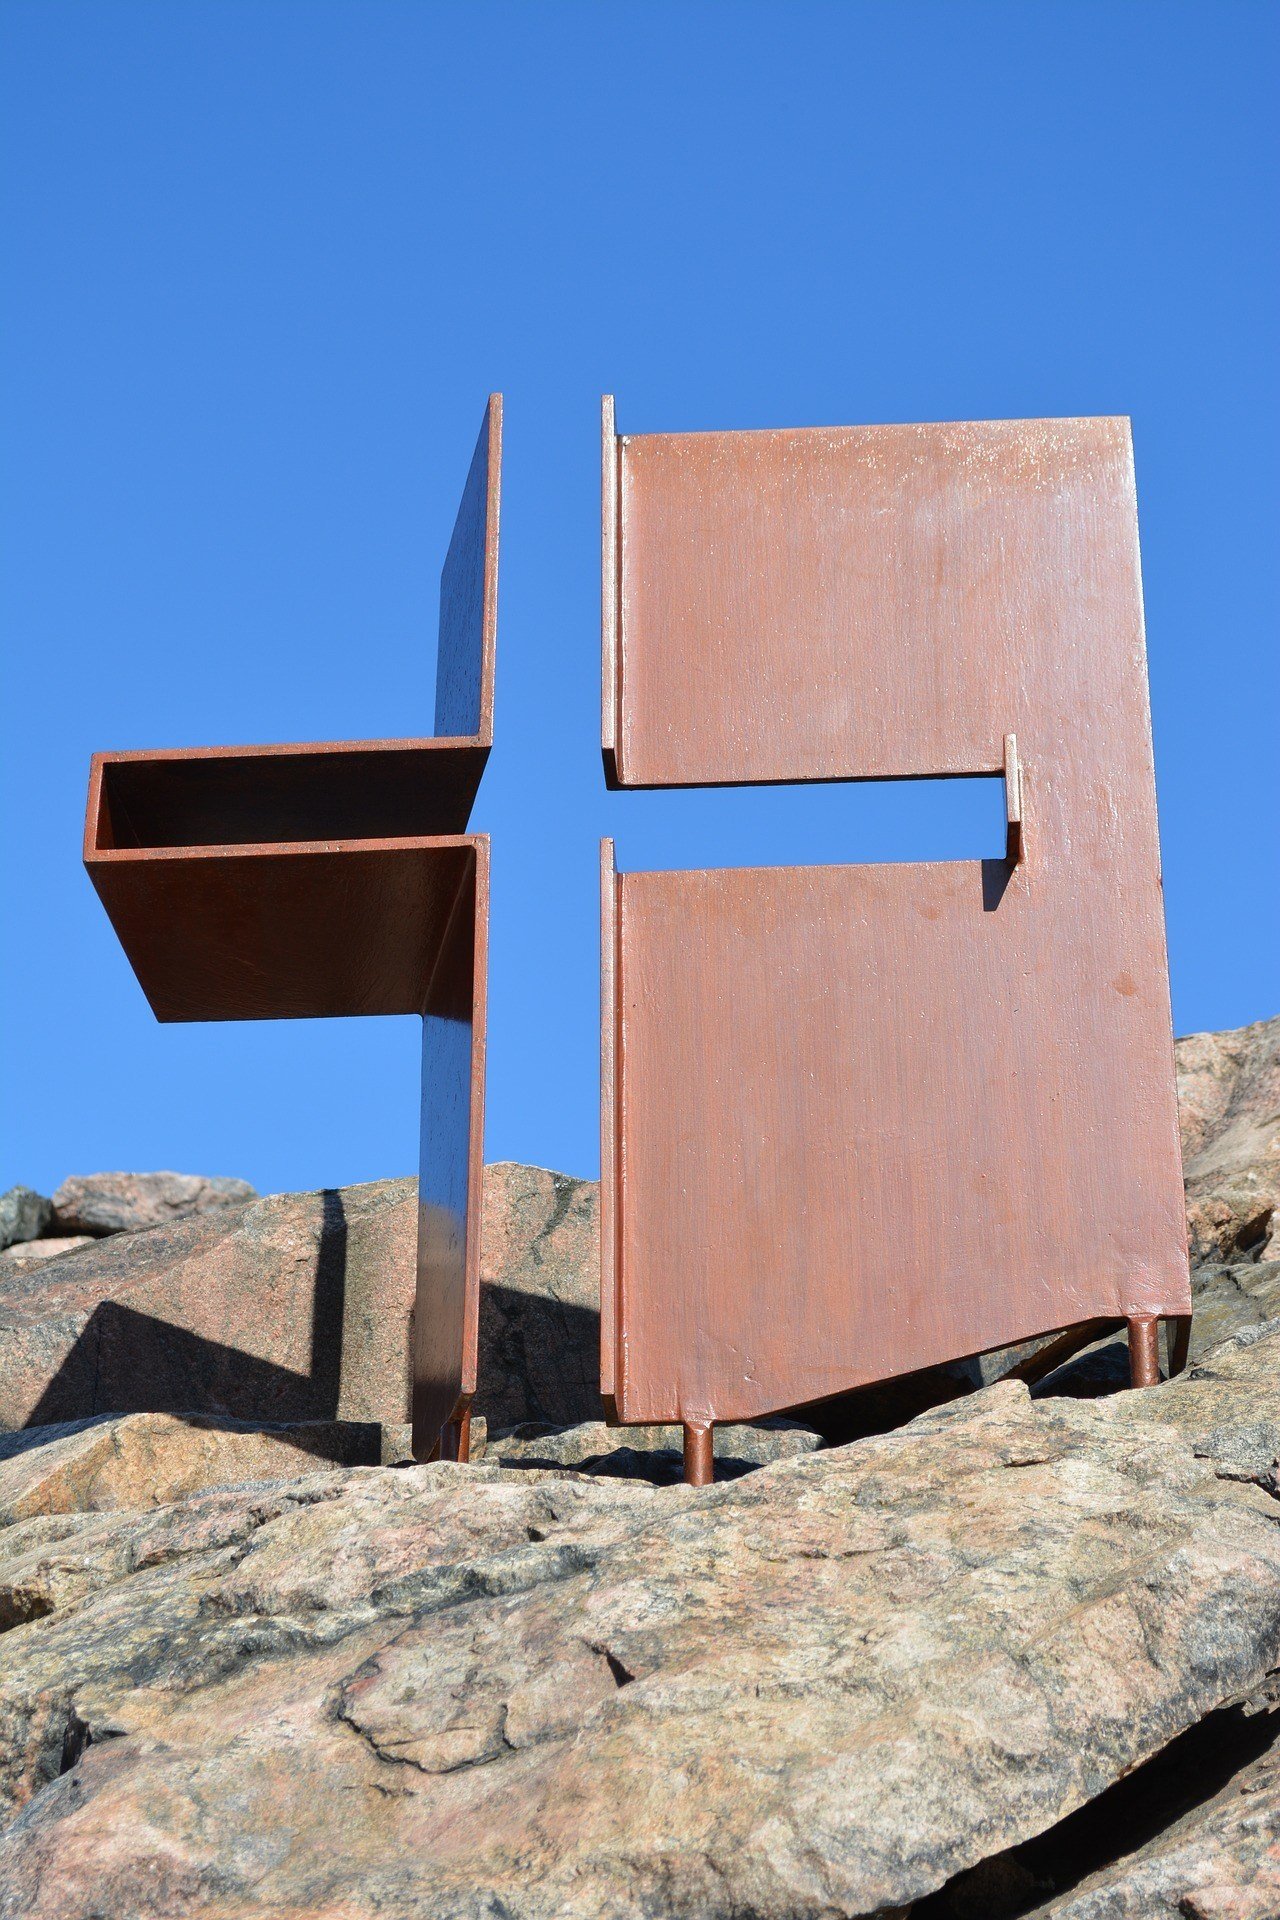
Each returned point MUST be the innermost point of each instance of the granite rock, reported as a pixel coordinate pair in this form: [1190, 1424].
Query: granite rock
[1218, 1860]
[829, 1688]
[1229, 1105]
[539, 1356]
[1190, 1835]
[25, 1254]
[291, 1308]
[299, 1307]
[24, 1215]
[647, 1453]
[151, 1459]
[101, 1203]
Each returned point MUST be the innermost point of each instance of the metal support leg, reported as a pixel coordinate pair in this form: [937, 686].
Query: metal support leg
[455, 1438]
[1144, 1351]
[699, 1453]
[1178, 1333]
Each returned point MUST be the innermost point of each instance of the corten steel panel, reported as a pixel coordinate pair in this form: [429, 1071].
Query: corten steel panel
[344, 790]
[868, 1121]
[450, 1185]
[282, 933]
[865, 602]
[251, 883]
[862, 1119]
[469, 595]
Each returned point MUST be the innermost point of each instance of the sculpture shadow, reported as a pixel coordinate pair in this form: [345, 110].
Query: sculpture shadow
[126, 1361]
[539, 1360]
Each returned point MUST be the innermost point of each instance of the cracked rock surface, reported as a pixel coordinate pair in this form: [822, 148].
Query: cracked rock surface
[1020, 1657]
[1229, 1108]
[834, 1686]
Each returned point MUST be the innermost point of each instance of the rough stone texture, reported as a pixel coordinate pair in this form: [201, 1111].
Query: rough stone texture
[540, 1299]
[34, 1253]
[24, 1215]
[828, 1688]
[1227, 1299]
[291, 1308]
[1218, 1861]
[1190, 1835]
[1229, 1104]
[152, 1459]
[648, 1453]
[299, 1307]
[103, 1203]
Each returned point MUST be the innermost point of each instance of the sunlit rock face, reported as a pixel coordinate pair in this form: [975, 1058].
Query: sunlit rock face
[830, 1686]
[1017, 1656]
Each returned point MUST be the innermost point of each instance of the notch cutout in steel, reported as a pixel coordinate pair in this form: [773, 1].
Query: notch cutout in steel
[836, 824]
[807, 1067]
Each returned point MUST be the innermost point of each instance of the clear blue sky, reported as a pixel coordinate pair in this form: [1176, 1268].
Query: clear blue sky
[265, 258]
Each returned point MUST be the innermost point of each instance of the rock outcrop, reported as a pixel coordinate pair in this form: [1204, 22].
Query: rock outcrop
[24, 1254]
[1229, 1104]
[299, 1307]
[24, 1215]
[286, 1309]
[539, 1298]
[1018, 1657]
[151, 1459]
[101, 1203]
[836, 1686]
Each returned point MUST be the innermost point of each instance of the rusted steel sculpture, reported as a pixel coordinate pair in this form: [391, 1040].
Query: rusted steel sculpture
[857, 1120]
[269, 883]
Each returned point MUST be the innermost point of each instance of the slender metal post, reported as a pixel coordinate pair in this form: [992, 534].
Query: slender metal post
[1144, 1350]
[1178, 1331]
[699, 1453]
[455, 1438]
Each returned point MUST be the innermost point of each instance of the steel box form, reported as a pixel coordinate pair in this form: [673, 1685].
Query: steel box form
[859, 1120]
[333, 879]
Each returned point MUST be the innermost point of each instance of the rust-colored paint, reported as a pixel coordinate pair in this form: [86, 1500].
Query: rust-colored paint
[294, 931]
[699, 1453]
[859, 1120]
[336, 878]
[1144, 1350]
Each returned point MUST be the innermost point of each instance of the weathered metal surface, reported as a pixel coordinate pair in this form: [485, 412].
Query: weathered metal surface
[867, 1124]
[858, 1120]
[298, 931]
[1144, 1350]
[297, 881]
[340, 790]
[699, 1454]
[866, 602]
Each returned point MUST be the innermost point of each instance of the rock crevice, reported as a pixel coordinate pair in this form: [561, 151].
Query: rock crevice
[1017, 1655]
